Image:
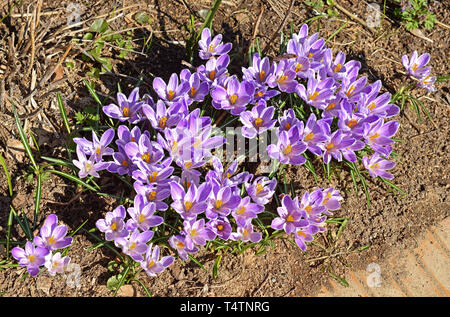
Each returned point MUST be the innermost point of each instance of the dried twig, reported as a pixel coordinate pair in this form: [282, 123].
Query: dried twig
[255, 30]
[280, 27]
[354, 17]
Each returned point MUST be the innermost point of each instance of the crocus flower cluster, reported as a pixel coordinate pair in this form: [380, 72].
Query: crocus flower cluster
[169, 155]
[416, 67]
[42, 250]
[306, 217]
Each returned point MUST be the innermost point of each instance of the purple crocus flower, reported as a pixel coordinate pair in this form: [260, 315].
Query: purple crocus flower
[416, 64]
[128, 109]
[197, 233]
[234, 97]
[145, 152]
[157, 174]
[197, 89]
[303, 235]
[212, 47]
[136, 244]
[258, 120]
[427, 82]
[225, 177]
[32, 257]
[191, 203]
[221, 201]
[171, 92]
[289, 120]
[97, 147]
[351, 121]
[214, 69]
[221, 227]
[378, 135]
[377, 166]
[263, 93]
[317, 92]
[312, 205]
[374, 104]
[178, 243]
[113, 224]
[152, 264]
[246, 233]
[55, 263]
[52, 236]
[246, 210]
[88, 166]
[153, 194]
[314, 135]
[162, 118]
[291, 216]
[351, 87]
[335, 143]
[122, 164]
[336, 68]
[302, 67]
[142, 215]
[260, 71]
[284, 77]
[261, 189]
[289, 148]
[126, 136]
[331, 199]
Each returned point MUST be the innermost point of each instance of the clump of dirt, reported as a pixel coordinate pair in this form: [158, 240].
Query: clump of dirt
[283, 270]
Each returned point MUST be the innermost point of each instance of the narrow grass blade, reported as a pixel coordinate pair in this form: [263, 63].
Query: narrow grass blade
[216, 266]
[339, 279]
[57, 161]
[8, 176]
[28, 231]
[209, 18]
[92, 92]
[392, 185]
[62, 110]
[122, 280]
[73, 178]
[197, 262]
[23, 137]
[37, 199]
[8, 232]
[104, 243]
[336, 32]
[341, 229]
[144, 287]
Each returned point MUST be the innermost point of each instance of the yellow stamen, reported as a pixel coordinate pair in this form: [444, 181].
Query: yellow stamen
[174, 146]
[193, 91]
[170, 94]
[152, 195]
[301, 234]
[414, 67]
[287, 126]
[299, 67]
[133, 245]
[88, 166]
[282, 79]
[180, 245]
[152, 177]
[260, 93]
[188, 165]
[331, 106]
[310, 55]
[162, 122]
[314, 95]
[198, 143]
[233, 98]
[350, 91]
[372, 106]
[352, 123]
[193, 233]
[126, 111]
[374, 166]
[219, 227]
[245, 233]
[151, 264]
[113, 226]
[141, 218]
[308, 209]
[98, 150]
[374, 137]
[287, 150]
[125, 163]
[241, 210]
[31, 258]
[211, 48]
[212, 75]
[51, 240]
[259, 188]
[258, 122]
[187, 205]
[219, 203]
[262, 74]
[133, 140]
[337, 68]
[330, 146]
[290, 218]
[146, 157]
[309, 136]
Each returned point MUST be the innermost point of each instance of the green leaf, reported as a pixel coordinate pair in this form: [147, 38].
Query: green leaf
[62, 110]
[113, 282]
[8, 177]
[99, 26]
[216, 266]
[73, 178]
[88, 36]
[142, 18]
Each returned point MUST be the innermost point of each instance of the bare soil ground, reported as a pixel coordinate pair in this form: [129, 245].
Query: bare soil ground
[391, 221]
